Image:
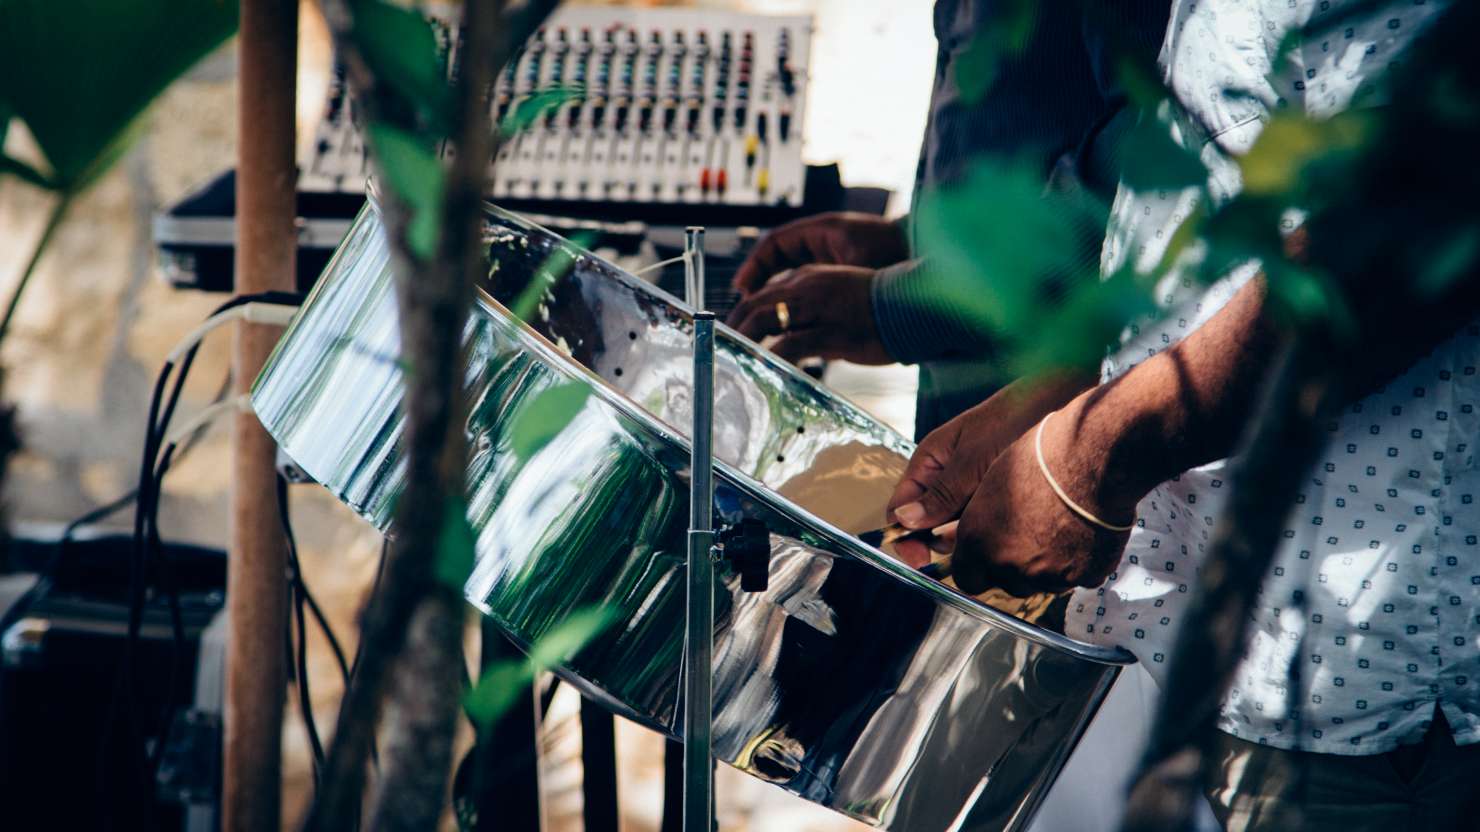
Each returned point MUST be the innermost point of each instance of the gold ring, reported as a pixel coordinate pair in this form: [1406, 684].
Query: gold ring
[783, 315]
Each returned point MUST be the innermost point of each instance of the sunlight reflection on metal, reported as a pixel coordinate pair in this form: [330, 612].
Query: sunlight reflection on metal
[852, 681]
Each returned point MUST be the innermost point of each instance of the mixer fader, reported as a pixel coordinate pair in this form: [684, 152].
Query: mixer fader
[666, 106]
[635, 106]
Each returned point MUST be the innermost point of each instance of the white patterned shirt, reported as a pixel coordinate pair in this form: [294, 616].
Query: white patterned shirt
[1377, 580]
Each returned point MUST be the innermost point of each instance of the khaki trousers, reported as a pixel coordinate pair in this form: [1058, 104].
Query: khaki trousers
[1432, 785]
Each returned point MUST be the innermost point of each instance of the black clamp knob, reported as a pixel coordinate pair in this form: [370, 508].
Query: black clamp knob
[747, 546]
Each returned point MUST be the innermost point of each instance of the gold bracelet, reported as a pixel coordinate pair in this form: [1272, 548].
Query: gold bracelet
[1052, 483]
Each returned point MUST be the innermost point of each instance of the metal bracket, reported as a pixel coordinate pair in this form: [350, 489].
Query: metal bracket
[747, 546]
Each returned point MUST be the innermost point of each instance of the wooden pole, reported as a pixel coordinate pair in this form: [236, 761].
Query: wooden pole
[256, 597]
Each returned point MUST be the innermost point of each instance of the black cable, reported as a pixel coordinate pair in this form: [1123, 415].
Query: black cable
[313, 605]
[298, 619]
[385, 545]
[127, 498]
[123, 680]
[303, 605]
[170, 580]
[147, 543]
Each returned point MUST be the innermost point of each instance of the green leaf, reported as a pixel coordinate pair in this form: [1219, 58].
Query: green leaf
[570, 635]
[1453, 260]
[996, 241]
[1142, 84]
[79, 72]
[1152, 160]
[1004, 35]
[545, 416]
[1091, 319]
[496, 690]
[413, 171]
[456, 545]
[1309, 299]
[401, 48]
[502, 683]
[1243, 229]
[552, 271]
[1290, 142]
[529, 109]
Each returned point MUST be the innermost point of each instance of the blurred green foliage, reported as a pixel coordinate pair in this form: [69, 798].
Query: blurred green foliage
[549, 273]
[79, 72]
[413, 171]
[1391, 185]
[544, 416]
[456, 545]
[530, 108]
[1004, 35]
[501, 683]
[415, 105]
[401, 48]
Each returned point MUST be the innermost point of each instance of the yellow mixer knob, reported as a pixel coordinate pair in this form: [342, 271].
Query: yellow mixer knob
[762, 181]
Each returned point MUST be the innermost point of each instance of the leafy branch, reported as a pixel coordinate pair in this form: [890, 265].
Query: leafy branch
[73, 72]
[433, 220]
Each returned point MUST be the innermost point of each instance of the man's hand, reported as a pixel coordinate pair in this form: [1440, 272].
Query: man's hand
[1016, 533]
[949, 464]
[840, 238]
[830, 311]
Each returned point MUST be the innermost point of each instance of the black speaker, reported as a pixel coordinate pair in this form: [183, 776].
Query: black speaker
[83, 709]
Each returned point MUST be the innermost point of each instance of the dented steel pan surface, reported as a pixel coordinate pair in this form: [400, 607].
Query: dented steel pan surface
[853, 681]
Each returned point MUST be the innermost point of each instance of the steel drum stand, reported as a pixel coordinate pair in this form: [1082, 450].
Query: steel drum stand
[698, 751]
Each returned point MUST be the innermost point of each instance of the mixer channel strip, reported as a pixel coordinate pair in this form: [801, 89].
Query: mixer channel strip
[629, 106]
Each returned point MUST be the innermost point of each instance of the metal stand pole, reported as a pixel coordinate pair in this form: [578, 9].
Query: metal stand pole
[693, 275]
[698, 757]
[257, 596]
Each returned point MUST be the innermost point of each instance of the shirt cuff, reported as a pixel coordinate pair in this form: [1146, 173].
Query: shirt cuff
[914, 325]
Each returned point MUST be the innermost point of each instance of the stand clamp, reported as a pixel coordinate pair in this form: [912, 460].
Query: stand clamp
[747, 546]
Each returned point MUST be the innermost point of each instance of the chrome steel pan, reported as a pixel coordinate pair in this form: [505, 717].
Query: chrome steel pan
[853, 681]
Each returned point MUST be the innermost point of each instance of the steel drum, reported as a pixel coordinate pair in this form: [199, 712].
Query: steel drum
[853, 681]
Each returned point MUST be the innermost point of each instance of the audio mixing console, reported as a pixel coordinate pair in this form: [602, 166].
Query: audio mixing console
[631, 107]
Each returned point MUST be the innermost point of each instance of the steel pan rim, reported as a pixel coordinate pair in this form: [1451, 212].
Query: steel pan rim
[753, 348]
[562, 363]
[552, 356]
